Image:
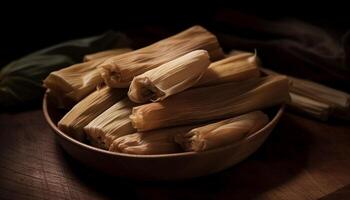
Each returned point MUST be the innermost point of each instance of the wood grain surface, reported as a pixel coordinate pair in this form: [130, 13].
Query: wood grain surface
[302, 159]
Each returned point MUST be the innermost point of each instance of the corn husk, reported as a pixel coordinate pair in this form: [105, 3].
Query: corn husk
[169, 78]
[106, 54]
[159, 141]
[87, 110]
[111, 124]
[309, 106]
[119, 71]
[238, 67]
[317, 91]
[222, 133]
[210, 103]
[69, 85]
[317, 100]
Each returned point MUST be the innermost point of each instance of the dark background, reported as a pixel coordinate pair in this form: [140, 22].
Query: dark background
[26, 27]
[304, 156]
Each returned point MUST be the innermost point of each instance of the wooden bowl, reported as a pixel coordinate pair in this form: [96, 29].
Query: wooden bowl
[165, 166]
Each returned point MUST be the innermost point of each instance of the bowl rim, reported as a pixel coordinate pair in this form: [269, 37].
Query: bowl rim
[182, 154]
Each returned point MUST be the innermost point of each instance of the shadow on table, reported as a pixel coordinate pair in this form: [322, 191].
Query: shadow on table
[279, 159]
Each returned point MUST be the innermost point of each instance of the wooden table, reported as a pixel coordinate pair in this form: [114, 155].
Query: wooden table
[302, 159]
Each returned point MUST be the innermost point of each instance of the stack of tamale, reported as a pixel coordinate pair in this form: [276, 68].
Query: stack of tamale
[178, 94]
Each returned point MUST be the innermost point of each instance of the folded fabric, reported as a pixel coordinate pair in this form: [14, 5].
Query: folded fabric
[289, 46]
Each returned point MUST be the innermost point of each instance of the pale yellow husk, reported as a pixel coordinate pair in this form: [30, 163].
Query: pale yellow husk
[310, 106]
[119, 71]
[111, 124]
[316, 99]
[222, 133]
[159, 141]
[237, 67]
[169, 78]
[87, 110]
[106, 54]
[320, 92]
[71, 84]
[210, 103]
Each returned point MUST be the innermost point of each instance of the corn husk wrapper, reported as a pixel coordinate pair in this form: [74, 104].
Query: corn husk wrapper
[106, 54]
[238, 67]
[119, 71]
[111, 124]
[317, 91]
[87, 110]
[69, 85]
[210, 103]
[159, 141]
[169, 78]
[310, 106]
[317, 100]
[222, 133]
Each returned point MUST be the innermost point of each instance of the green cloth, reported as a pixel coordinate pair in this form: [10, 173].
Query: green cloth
[21, 80]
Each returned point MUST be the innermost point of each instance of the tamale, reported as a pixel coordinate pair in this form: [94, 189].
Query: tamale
[222, 133]
[111, 124]
[71, 84]
[309, 106]
[169, 78]
[104, 54]
[159, 141]
[317, 100]
[210, 103]
[238, 67]
[119, 71]
[317, 91]
[87, 110]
